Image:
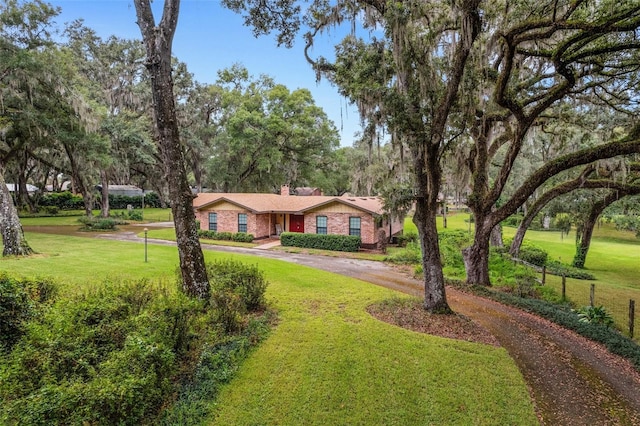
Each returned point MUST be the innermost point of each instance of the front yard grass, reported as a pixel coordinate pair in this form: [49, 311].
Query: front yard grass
[327, 361]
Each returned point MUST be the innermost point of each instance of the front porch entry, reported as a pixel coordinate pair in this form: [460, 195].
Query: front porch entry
[296, 223]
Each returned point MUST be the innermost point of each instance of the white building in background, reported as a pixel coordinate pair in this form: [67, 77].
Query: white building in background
[12, 187]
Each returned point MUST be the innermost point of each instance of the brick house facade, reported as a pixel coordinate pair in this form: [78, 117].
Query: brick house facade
[268, 215]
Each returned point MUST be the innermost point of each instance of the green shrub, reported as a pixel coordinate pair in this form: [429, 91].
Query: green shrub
[225, 236]
[110, 356]
[121, 202]
[242, 237]
[228, 309]
[410, 254]
[16, 307]
[595, 315]
[514, 220]
[52, 210]
[92, 223]
[404, 239]
[135, 215]
[20, 300]
[323, 242]
[246, 281]
[217, 365]
[62, 200]
[533, 255]
[451, 244]
[525, 282]
[548, 294]
[504, 272]
[558, 268]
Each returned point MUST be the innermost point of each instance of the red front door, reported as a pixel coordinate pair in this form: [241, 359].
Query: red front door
[297, 223]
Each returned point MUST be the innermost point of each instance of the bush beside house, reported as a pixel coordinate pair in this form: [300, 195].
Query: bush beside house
[319, 241]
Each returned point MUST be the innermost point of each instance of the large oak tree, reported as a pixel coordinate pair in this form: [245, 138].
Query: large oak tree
[158, 39]
[439, 75]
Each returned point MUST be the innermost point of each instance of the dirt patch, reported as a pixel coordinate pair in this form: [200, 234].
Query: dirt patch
[409, 314]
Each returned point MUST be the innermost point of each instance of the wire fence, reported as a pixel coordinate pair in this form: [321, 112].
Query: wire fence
[620, 303]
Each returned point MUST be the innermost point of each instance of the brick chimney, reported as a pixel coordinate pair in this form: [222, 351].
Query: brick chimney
[284, 190]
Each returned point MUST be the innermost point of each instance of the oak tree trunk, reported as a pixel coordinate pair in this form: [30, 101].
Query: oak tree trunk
[158, 40]
[435, 299]
[476, 256]
[104, 211]
[428, 175]
[12, 234]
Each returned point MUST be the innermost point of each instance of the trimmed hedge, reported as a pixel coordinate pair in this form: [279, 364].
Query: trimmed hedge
[122, 201]
[241, 237]
[62, 200]
[67, 201]
[322, 242]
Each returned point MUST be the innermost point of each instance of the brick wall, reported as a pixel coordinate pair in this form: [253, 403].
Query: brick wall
[261, 229]
[338, 223]
[258, 225]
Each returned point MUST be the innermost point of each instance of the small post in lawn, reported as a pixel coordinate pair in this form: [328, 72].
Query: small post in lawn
[544, 274]
[592, 295]
[564, 287]
[632, 316]
[146, 230]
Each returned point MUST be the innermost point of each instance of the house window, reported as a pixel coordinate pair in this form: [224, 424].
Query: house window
[354, 226]
[242, 222]
[213, 222]
[321, 225]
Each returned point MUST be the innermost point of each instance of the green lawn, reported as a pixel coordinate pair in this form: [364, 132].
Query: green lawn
[613, 258]
[327, 361]
[71, 217]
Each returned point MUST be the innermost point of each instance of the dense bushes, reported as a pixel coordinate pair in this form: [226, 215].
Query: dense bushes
[20, 300]
[451, 244]
[627, 223]
[235, 290]
[54, 201]
[533, 255]
[406, 238]
[217, 365]
[105, 357]
[241, 237]
[119, 353]
[123, 201]
[322, 242]
[410, 254]
[514, 220]
[61, 200]
[92, 223]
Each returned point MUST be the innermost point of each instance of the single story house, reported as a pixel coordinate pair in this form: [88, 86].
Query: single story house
[125, 190]
[266, 215]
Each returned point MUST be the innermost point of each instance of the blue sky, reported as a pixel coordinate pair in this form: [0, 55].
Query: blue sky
[210, 37]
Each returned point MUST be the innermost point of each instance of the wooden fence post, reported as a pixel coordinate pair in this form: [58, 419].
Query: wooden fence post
[544, 274]
[592, 295]
[632, 312]
[564, 287]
